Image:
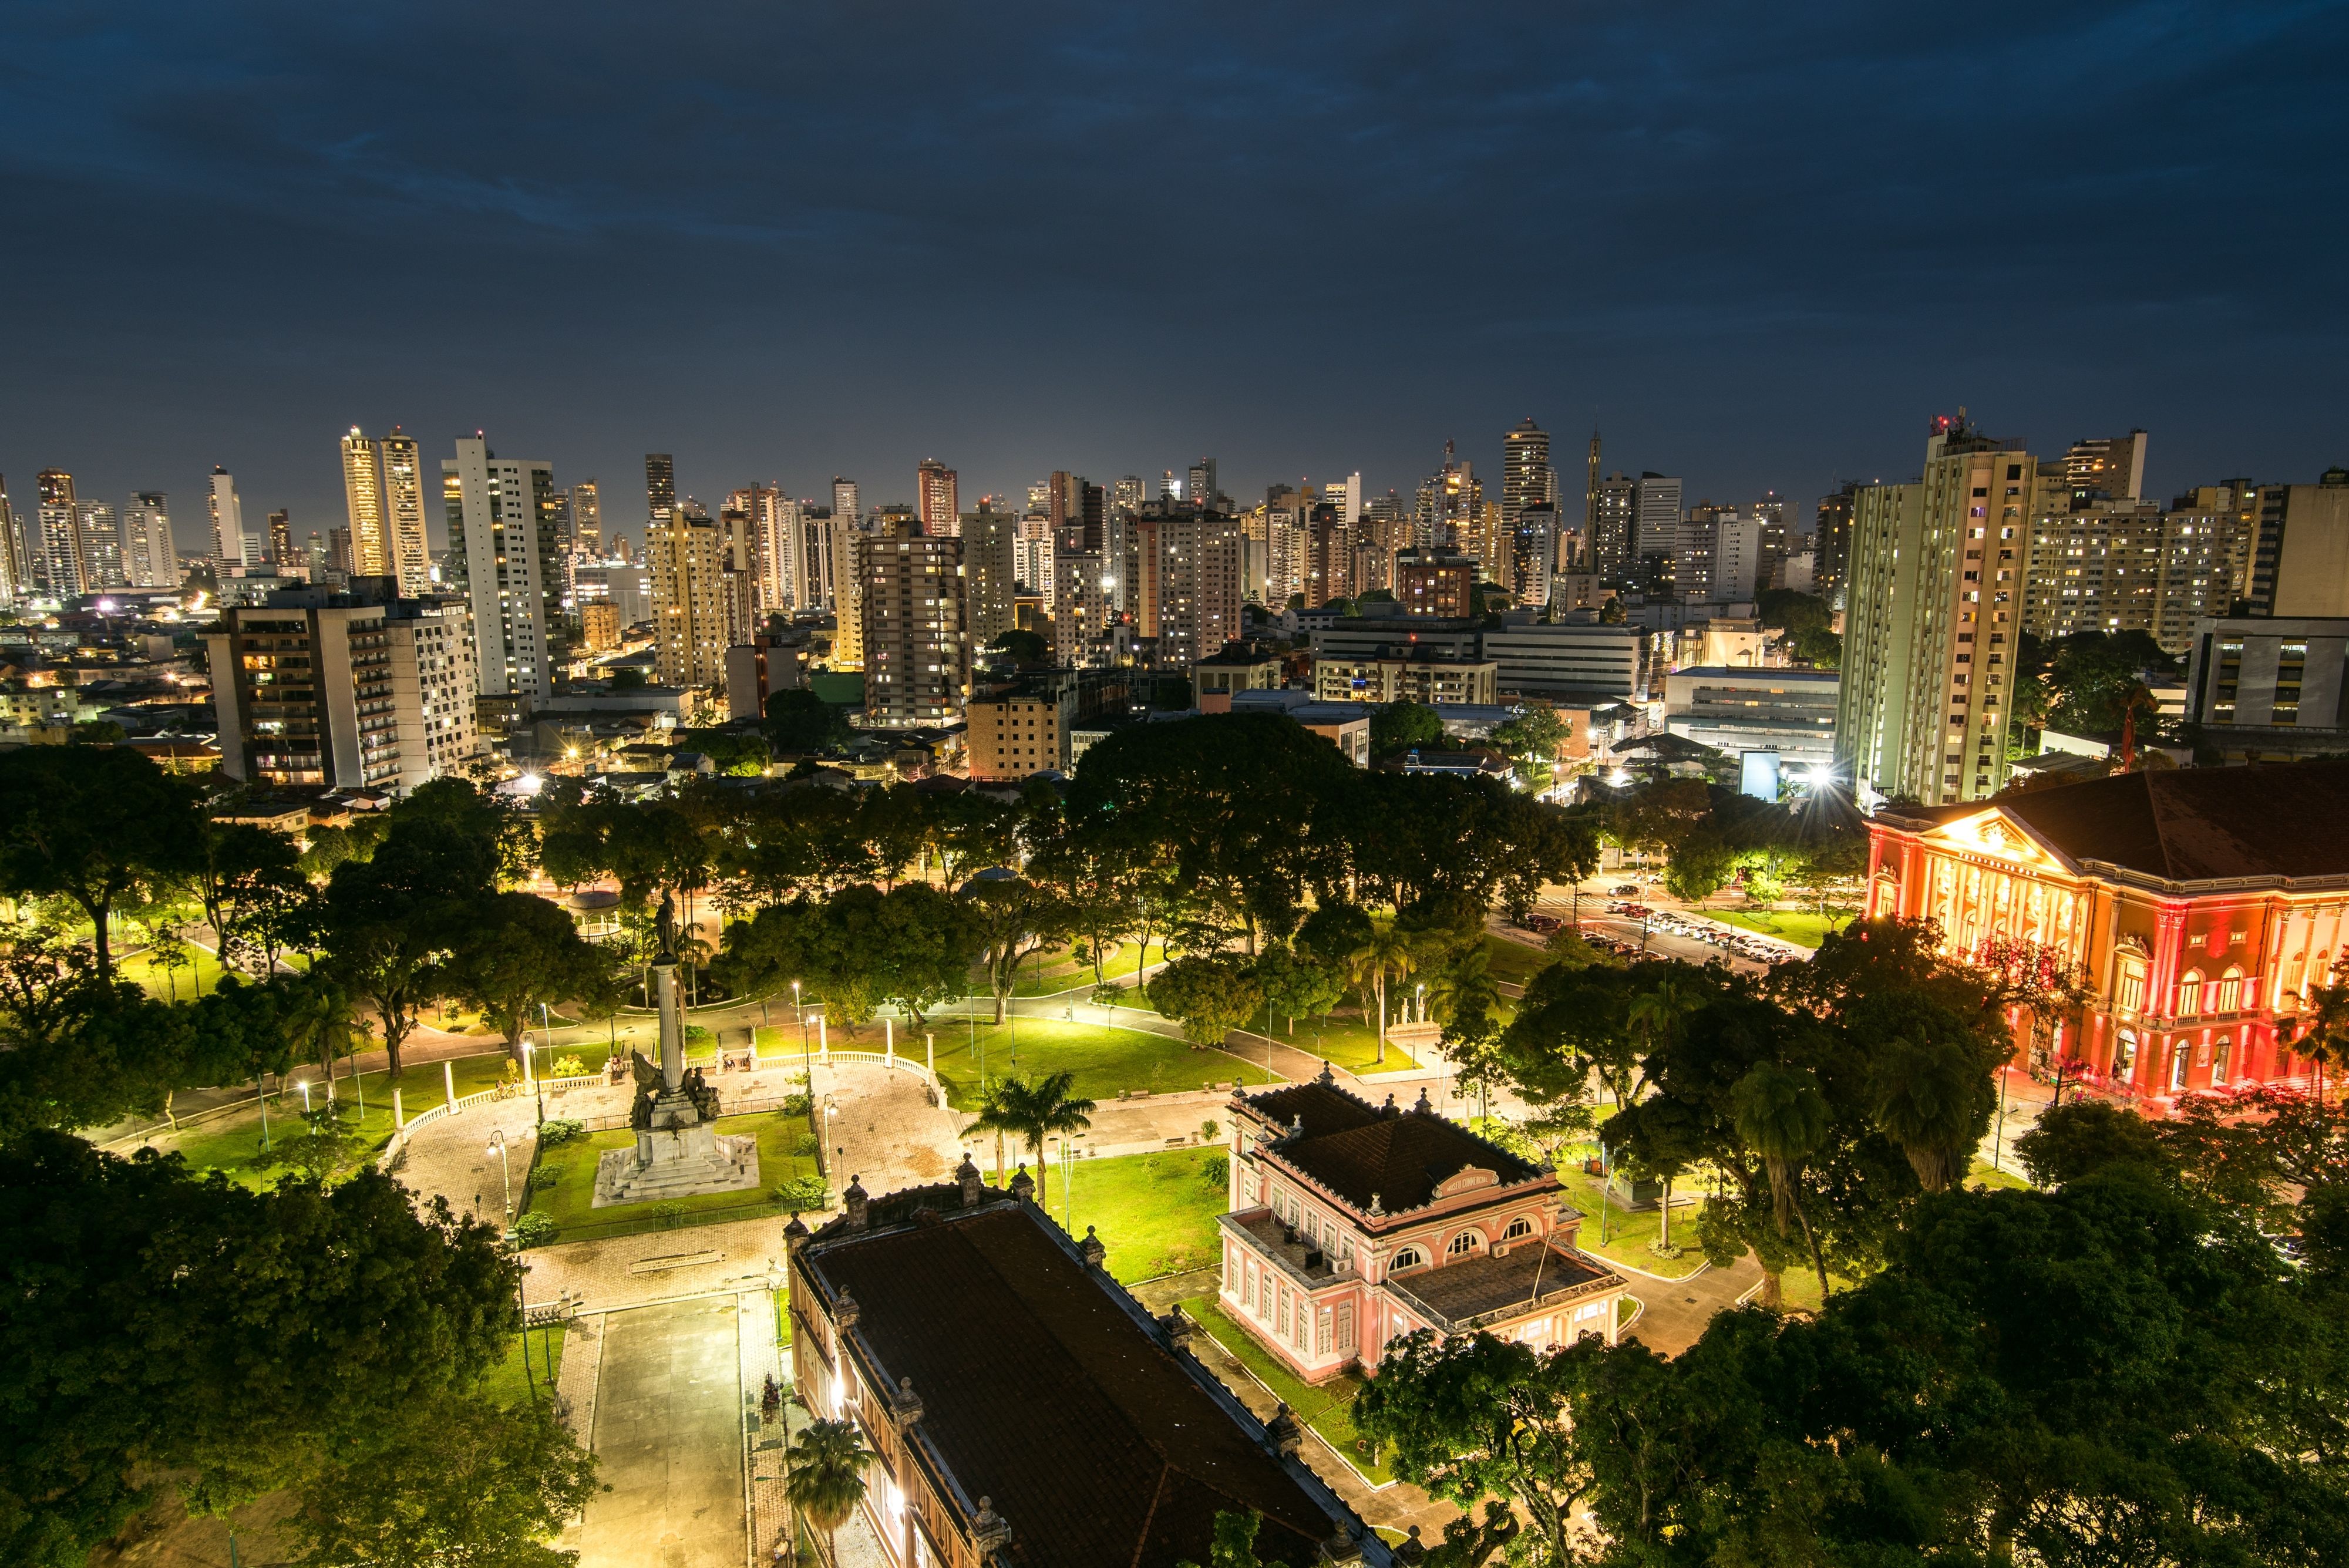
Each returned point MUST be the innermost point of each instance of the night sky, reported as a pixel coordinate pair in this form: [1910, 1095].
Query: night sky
[1758, 244]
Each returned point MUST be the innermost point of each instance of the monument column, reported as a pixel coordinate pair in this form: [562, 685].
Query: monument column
[672, 1025]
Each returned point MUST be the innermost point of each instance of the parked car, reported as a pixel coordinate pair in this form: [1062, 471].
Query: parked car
[1544, 923]
[1625, 890]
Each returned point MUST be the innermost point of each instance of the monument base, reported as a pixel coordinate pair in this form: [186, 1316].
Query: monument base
[677, 1157]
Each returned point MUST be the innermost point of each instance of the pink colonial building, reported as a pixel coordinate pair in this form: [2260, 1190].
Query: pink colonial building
[1353, 1224]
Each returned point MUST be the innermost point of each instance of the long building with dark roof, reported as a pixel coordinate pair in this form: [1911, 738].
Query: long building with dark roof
[2204, 904]
[1027, 1410]
[1351, 1225]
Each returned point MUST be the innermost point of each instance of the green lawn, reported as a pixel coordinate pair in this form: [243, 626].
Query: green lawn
[1343, 1037]
[2008, 1179]
[230, 1143]
[1513, 962]
[1629, 1235]
[200, 980]
[508, 1385]
[1105, 1060]
[1802, 927]
[570, 1203]
[1155, 1213]
[1327, 1407]
[1050, 973]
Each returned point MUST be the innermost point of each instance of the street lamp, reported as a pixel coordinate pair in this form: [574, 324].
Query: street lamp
[830, 1111]
[506, 1173]
[545, 1038]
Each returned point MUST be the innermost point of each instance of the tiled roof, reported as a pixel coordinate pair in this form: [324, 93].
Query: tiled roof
[1360, 1152]
[2190, 825]
[1042, 1390]
[1459, 1294]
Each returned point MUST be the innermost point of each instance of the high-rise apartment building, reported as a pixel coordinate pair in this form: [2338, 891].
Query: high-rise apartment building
[845, 508]
[917, 633]
[148, 560]
[1435, 583]
[1831, 541]
[2109, 466]
[1526, 477]
[56, 487]
[1718, 556]
[1127, 495]
[404, 502]
[1187, 589]
[812, 576]
[1614, 517]
[1204, 489]
[501, 557]
[2300, 554]
[587, 518]
[991, 559]
[16, 552]
[227, 517]
[341, 555]
[1655, 519]
[280, 539]
[1933, 619]
[842, 536]
[2096, 569]
[57, 553]
[776, 526]
[1451, 502]
[2203, 554]
[685, 557]
[660, 485]
[363, 501]
[98, 542]
[937, 497]
[1533, 553]
[1770, 512]
[347, 690]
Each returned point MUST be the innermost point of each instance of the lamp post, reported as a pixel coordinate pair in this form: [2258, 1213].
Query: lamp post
[506, 1173]
[545, 1038]
[807, 1074]
[830, 1111]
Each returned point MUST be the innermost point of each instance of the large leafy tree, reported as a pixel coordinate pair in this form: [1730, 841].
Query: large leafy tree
[509, 953]
[797, 721]
[1210, 996]
[388, 919]
[77, 1049]
[248, 879]
[94, 825]
[911, 945]
[454, 1484]
[1014, 918]
[222, 1340]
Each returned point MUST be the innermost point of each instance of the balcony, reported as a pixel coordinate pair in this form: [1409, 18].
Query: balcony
[1305, 1263]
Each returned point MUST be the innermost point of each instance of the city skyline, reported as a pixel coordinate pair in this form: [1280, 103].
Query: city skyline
[1774, 302]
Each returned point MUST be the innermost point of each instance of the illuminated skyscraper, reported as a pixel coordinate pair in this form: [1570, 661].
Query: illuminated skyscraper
[502, 549]
[1204, 489]
[847, 510]
[363, 500]
[1526, 477]
[587, 517]
[15, 558]
[937, 502]
[228, 517]
[408, 556]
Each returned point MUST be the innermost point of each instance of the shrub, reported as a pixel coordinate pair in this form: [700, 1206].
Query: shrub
[796, 1104]
[555, 1134]
[804, 1144]
[666, 1213]
[803, 1194]
[534, 1229]
[542, 1177]
[1216, 1169]
[695, 1034]
[569, 1067]
[1208, 1130]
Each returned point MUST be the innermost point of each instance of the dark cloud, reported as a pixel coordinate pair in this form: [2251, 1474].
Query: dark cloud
[1758, 244]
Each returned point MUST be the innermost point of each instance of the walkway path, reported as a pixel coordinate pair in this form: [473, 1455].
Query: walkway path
[1676, 1311]
[668, 1426]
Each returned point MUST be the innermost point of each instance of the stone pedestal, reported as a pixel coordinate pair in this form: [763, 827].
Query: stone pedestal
[679, 1155]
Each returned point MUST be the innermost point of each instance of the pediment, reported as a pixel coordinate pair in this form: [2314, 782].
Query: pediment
[1993, 835]
[1467, 1178]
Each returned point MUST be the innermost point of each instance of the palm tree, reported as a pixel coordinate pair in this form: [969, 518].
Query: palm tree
[995, 1116]
[1783, 1116]
[1388, 952]
[694, 951]
[1925, 1099]
[318, 1020]
[1037, 1112]
[825, 1480]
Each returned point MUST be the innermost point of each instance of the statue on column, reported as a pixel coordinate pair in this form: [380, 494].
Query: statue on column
[665, 929]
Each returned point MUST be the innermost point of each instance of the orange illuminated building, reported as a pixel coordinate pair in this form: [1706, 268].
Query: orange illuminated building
[2204, 904]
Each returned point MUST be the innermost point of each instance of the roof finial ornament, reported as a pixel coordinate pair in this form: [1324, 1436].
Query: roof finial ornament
[1326, 1076]
[1377, 1210]
[1423, 1108]
[1287, 1436]
[1091, 1250]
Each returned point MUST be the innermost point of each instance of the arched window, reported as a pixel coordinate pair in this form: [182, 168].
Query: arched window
[1463, 1244]
[2231, 990]
[1409, 1257]
[2190, 993]
[2218, 1054]
[2179, 1052]
[1520, 1226]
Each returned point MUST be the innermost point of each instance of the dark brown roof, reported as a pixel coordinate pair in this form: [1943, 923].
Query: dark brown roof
[1355, 1150]
[2190, 825]
[1458, 1294]
[1042, 1390]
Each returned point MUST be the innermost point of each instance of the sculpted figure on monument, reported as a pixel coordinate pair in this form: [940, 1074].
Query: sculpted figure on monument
[665, 927]
[640, 1114]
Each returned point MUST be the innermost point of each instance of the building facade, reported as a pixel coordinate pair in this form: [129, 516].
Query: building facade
[1352, 1225]
[1790, 712]
[1405, 675]
[2270, 687]
[2205, 906]
[2300, 554]
[916, 642]
[1932, 616]
[502, 556]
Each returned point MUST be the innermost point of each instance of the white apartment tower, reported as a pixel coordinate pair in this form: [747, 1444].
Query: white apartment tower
[502, 545]
[228, 517]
